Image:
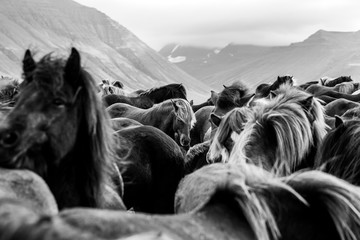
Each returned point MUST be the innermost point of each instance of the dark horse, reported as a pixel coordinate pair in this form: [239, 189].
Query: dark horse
[59, 129]
[152, 165]
[220, 201]
[339, 153]
[174, 117]
[8, 92]
[263, 90]
[150, 97]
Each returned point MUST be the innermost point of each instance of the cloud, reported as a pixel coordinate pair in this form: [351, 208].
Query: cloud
[218, 22]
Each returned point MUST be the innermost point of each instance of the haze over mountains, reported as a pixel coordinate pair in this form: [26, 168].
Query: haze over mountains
[322, 54]
[108, 49]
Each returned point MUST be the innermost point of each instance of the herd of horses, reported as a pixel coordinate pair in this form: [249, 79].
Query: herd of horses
[82, 160]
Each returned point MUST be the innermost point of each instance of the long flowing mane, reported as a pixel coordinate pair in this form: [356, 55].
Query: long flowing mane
[82, 175]
[281, 134]
[317, 203]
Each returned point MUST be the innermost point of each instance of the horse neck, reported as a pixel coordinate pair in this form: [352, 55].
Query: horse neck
[156, 96]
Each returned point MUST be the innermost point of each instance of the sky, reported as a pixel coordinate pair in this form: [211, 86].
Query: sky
[216, 23]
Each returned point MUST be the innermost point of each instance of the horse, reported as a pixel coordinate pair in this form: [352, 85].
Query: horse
[197, 133]
[195, 157]
[346, 87]
[318, 205]
[174, 117]
[59, 129]
[115, 87]
[235, 95]
[121, 122]
[209, 102]
[263, 90]
[331, 82]
[8, 92]
[304, 86]
[339, 107]
[339, 151]
[251, 203]
[152, 165]
[281, 135]
[333, 95]
[27, 186]
[150, 97]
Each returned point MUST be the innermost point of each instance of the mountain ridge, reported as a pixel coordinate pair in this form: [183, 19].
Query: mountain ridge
[108, 50]
[324, 53]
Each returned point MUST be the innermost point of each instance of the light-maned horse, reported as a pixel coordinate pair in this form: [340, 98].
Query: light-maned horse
[346, 87]
[280, 135]
[147, 99]
[107, 88]
[175, 117]
[59, 129]
[331, 82]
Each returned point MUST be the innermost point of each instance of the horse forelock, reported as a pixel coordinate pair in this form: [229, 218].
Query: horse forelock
[185, 112]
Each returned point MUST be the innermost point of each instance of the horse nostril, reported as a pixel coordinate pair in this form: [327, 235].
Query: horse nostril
[9, 139]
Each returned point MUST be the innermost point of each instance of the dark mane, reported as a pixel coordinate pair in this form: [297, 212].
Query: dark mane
[231, 95]
[173, 90]
[77, 174]
[339, 153]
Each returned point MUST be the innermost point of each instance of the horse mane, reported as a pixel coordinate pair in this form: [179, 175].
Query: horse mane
[259, 195]
[346, 87]
[339, 153]
[232, 94]
[95, 151]
[339, 198]
[173, 87]
[285, 119]
[197, 189]
[233, 121]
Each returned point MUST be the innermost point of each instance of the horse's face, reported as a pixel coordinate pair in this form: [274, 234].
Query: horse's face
[182, 123]
[228, 129]
[42, 127]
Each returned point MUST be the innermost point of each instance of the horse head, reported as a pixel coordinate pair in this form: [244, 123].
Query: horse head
[58, 128]
[224, 135]
[183, 122]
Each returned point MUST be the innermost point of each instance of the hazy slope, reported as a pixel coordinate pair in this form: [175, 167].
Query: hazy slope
[110, 51]
[322, 54]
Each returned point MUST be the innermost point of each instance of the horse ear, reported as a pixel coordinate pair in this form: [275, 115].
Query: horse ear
[272, 94]
[338, 121]
[215, 119]
[191, 102]
[72, 67]
[214, 97]
[307, 103]
[225, 86]
[278, 78]
[322, 81]
[29, 64]
[118, 84]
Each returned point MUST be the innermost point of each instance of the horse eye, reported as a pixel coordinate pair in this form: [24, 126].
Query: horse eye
[58, 102]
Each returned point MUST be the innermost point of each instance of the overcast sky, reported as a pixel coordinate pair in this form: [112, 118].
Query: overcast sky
[215, 23]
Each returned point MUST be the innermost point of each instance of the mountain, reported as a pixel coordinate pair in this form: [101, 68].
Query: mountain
[109, 50]
[324, 53]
